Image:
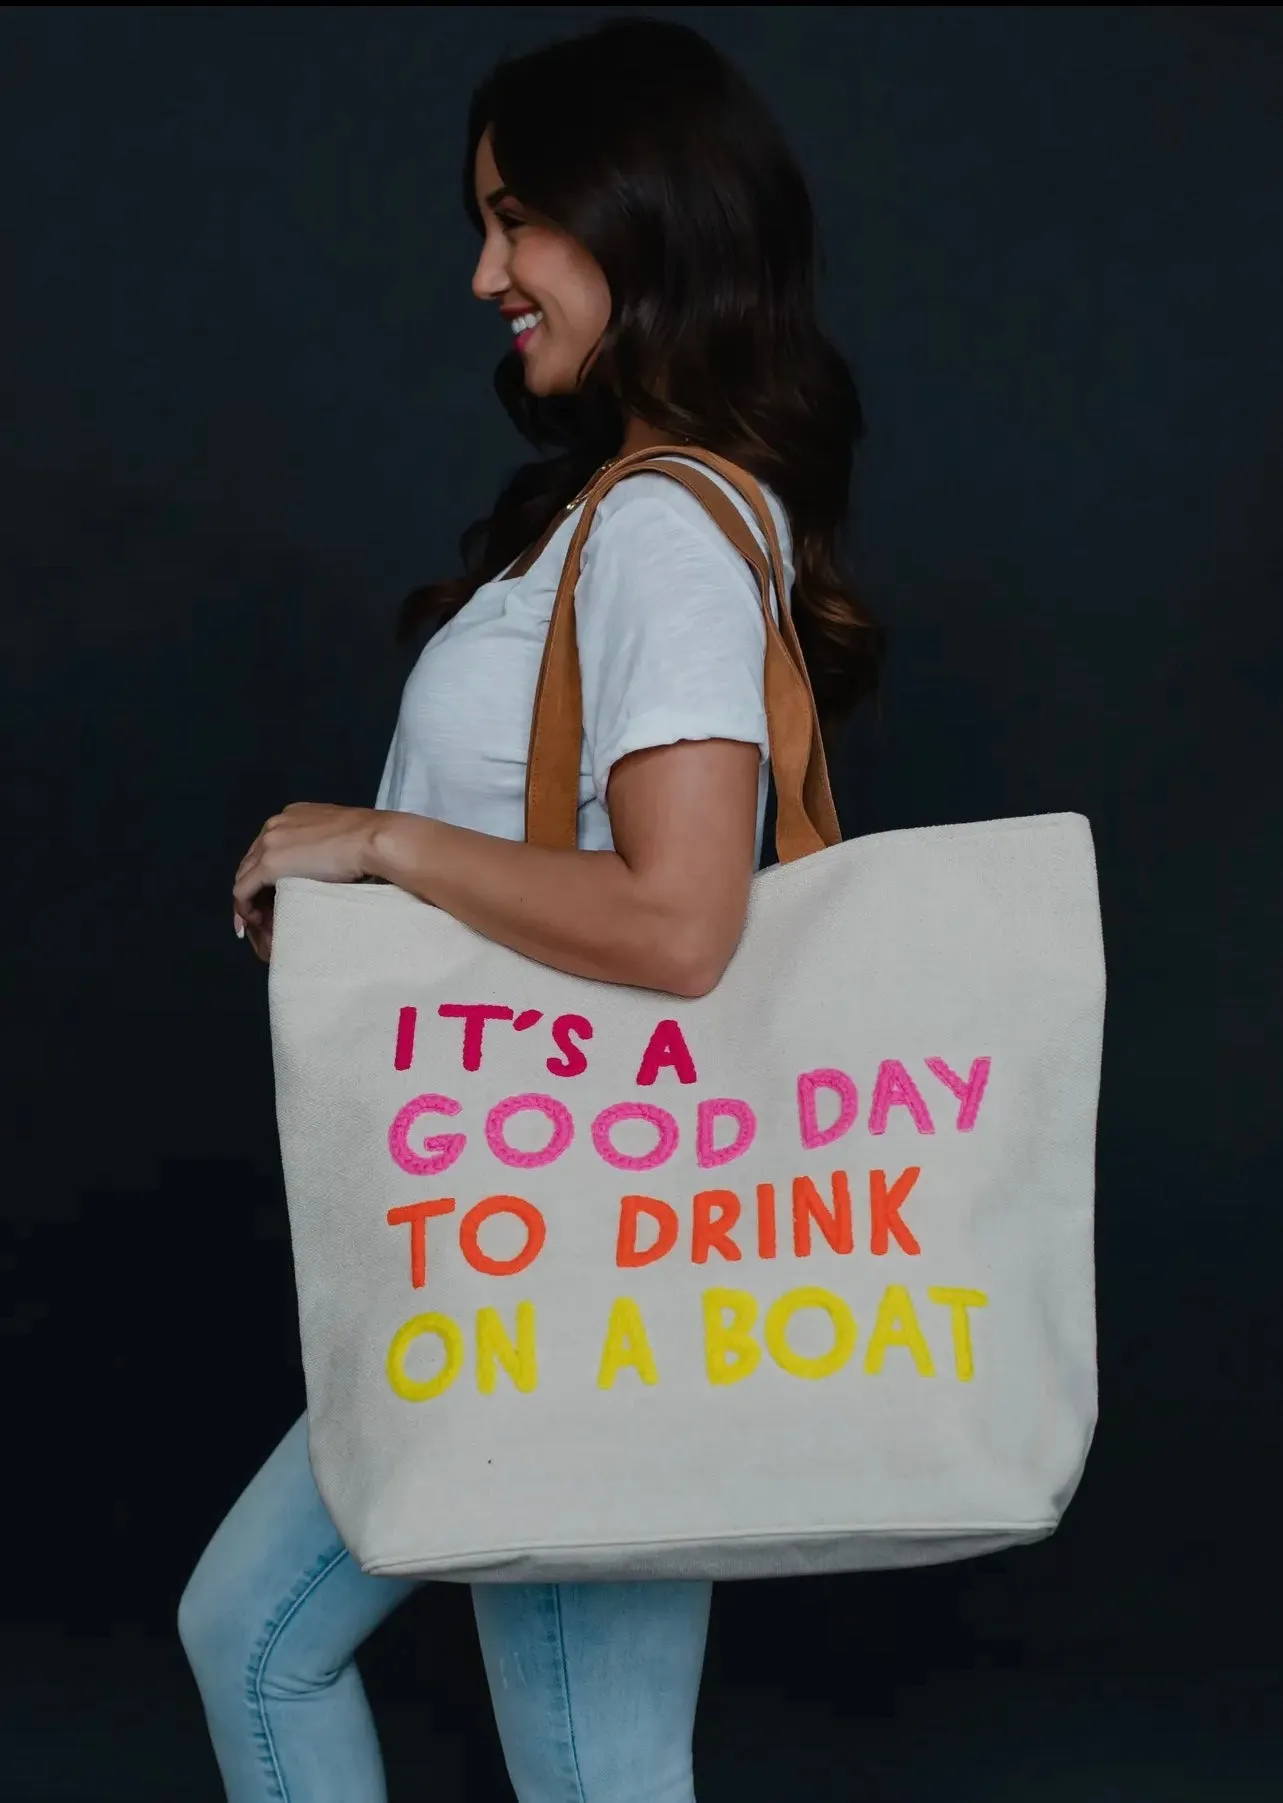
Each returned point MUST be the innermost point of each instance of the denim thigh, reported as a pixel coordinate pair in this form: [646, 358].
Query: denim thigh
[594, 1687]
[270, 1621]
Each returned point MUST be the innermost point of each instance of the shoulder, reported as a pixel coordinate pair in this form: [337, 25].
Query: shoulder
[658, 518]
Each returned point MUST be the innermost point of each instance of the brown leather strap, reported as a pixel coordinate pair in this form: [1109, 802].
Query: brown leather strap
[806, 817]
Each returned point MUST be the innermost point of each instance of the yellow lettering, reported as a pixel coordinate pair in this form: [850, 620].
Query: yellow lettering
[494, 1348]
[412, 1389]
[960, 1301]
[730, 1351]
[796, 1364]
[897, 1325]
[626, 1344]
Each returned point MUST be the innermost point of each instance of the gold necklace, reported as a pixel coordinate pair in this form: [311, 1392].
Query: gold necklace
[587, 488]
[600, 471]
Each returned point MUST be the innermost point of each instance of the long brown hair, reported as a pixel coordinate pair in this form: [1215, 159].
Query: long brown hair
[643, 143]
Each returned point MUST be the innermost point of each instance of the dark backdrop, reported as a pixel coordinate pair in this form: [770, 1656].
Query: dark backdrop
[245, 405]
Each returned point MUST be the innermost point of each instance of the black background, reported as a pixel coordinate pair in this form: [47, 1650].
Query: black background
[245, 404]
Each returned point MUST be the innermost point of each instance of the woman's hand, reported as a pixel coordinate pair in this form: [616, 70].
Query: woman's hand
[260, 937]
[309, 838]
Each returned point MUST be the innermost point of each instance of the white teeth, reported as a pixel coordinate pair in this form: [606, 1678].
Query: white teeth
[525, 322]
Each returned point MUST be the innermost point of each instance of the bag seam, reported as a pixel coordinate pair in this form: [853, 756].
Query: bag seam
[545, 1548]
[361, 893]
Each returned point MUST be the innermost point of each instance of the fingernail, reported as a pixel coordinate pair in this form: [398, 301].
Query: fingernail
[240, 926]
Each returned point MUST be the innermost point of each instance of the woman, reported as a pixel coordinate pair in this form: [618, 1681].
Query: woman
[648, 241]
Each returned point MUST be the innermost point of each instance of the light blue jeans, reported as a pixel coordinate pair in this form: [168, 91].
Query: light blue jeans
[594, 1685]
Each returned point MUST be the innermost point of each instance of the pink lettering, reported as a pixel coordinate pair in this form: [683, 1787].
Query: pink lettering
[439, 1153]
[563, 1130]
[895, 1088]
[474, 1016]
[527, 1019]
[659, 1118]
[813, 1135]
[969, 1090]
[707, 1152]
[572, 1063]
[405, 1025]
[667, 1049]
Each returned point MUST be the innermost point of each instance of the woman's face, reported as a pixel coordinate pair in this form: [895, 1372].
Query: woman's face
[534, 269]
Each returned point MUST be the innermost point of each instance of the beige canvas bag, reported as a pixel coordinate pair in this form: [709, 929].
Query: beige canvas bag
[794, 1277]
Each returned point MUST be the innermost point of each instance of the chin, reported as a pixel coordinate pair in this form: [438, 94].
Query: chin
[549, 381]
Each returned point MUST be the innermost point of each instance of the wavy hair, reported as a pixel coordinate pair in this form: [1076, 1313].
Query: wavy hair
[646, 146]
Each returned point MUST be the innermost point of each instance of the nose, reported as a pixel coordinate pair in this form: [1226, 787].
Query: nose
[490, 277]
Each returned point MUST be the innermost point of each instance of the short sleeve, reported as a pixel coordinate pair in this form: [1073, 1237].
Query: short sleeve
[670, 630]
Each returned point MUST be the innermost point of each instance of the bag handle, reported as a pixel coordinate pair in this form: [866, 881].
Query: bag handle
[806, 819]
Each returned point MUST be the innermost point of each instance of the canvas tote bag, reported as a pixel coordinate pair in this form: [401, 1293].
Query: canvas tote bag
[595, 1283]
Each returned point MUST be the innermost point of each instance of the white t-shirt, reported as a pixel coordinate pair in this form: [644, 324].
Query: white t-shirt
[671, 646]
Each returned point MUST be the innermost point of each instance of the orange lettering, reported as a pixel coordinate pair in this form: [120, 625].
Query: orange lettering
[631, 1209]
[834, 1223]
[536, 1234]
[766, 1238]
[716, 1212]
[884, 1210]
[415, 1216]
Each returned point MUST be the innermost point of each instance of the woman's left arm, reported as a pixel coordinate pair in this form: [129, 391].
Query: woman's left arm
[664, 910]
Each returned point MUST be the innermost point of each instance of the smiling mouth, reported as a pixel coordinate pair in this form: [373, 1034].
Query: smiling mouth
[524, 327]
